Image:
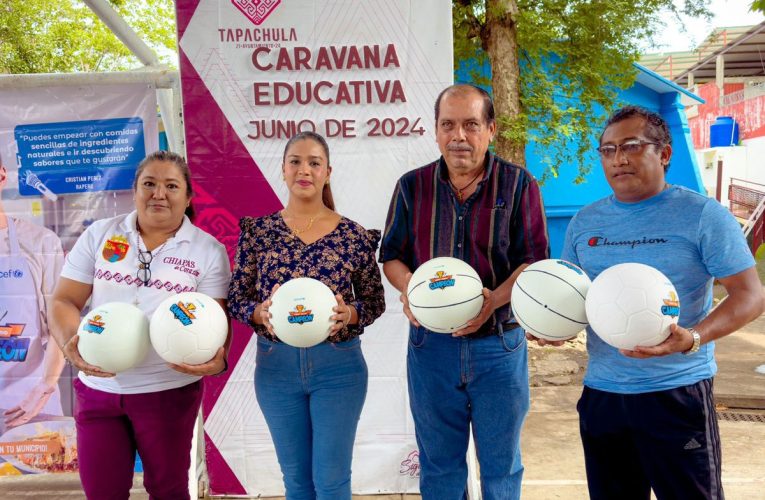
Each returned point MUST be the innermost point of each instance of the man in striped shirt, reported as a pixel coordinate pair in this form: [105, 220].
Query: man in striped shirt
[472, 205]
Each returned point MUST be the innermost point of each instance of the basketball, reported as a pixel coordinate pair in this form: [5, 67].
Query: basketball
[188, 328]
[548, 299]
[301, 310]
[114, 336]
[631, 305]
[445, 293]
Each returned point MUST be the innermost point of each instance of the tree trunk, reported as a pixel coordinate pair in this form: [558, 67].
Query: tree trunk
[502, 46]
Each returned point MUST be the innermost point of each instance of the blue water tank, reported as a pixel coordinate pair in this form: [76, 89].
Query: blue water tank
[723, 132]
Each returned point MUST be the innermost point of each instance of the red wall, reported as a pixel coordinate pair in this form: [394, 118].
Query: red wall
[750, 114]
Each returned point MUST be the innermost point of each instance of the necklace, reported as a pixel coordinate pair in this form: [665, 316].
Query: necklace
[463, 188]
[297, 231]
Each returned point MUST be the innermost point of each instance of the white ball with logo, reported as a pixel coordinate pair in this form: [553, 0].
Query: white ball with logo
[301, 310]
[548, 299]
[114, 336]
[445, 293]
[631, 305]
[188, 328]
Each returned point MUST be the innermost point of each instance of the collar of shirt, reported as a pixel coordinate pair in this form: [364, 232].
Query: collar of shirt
[443, 170]
[185, 233]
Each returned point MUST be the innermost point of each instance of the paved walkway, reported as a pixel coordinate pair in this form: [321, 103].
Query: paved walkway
[551, 448]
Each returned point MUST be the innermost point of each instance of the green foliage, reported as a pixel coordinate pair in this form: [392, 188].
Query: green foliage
[40, 36]
[758, 6]
[575, 55]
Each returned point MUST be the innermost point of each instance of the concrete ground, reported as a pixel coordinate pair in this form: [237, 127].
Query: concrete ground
[552, 452]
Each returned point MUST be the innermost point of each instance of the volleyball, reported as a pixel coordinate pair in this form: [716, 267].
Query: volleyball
[301, 310]
[188, 328]
[445, 293]
[114, 336]
[548, 299]
[631, 305]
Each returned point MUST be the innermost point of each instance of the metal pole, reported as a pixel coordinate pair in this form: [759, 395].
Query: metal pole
[718, 193]
[124, 32]
[160, 77]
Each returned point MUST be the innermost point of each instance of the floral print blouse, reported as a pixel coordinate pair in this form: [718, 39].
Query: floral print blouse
[268, 253]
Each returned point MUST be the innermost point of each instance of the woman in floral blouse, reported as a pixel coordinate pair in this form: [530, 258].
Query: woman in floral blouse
[311, 397]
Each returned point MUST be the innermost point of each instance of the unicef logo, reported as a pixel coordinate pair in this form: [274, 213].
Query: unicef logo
[17, 273]
[12, 273]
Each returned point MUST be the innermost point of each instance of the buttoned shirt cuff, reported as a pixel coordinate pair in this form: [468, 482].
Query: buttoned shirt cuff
[359, 306]
[250, 310]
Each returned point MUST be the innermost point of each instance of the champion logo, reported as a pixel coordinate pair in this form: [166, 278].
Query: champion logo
[602, 241]
[95, 325]
[184, 312]
[671, 305]
[256, 10]
[441, 280]
[570, 266]
[300, 315]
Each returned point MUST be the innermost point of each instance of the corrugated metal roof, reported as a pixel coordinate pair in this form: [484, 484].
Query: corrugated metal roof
[743, 49]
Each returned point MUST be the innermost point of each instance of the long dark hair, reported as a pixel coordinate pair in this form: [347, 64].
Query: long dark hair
[326, 192]
[177, 160]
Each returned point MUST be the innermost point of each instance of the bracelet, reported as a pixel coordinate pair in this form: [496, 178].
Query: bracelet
[696, 341]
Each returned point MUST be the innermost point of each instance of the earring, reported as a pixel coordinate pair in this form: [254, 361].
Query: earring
[327, 183]
[284, 177]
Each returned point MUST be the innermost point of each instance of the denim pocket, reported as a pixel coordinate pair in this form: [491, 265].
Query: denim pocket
[265, 346]
[348, 345]
[416, 336]
[513, 340]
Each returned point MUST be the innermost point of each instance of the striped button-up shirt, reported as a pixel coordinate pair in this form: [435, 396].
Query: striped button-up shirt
[496, 229]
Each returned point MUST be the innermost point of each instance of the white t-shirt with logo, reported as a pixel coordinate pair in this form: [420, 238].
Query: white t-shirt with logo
[106, 257]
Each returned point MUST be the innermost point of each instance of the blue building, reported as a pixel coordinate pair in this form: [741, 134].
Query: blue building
[563, 198]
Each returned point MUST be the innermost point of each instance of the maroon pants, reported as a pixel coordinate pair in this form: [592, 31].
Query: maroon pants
[112, 427]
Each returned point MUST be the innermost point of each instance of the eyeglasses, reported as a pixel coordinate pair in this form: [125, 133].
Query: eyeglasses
[144, 271]
[632, 147]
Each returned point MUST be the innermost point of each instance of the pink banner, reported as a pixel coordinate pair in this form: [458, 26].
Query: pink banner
[364, 74]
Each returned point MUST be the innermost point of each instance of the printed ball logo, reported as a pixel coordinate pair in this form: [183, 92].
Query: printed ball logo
[445, 293]
[301, 310]
[114, 336]
[256, 10]
[300, 315]
[188, 328]
[631, 305]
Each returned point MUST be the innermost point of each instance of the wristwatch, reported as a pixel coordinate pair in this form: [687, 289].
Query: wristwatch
[696, 342]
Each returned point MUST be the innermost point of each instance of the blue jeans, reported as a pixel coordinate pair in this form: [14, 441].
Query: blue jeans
[454, 382]
[312, 399]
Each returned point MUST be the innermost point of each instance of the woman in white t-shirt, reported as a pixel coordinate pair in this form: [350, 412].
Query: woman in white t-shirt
[141, 258]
